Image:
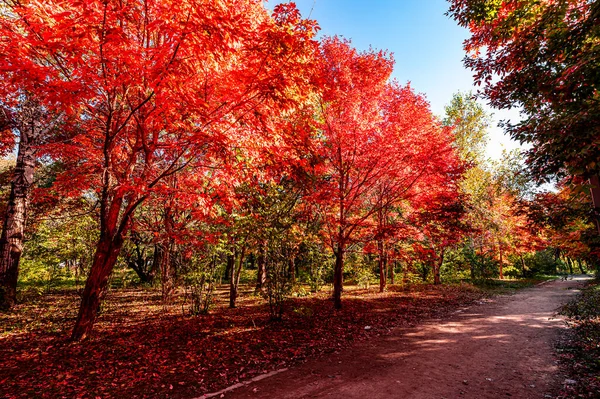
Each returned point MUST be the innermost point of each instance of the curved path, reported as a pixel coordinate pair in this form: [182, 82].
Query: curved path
[499, 349]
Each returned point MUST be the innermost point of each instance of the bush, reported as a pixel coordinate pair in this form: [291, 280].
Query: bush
[316, 264]
[279, 283]
[358, 269]
[199, 279]
[542, 262]
[512, 271]
[584, 348]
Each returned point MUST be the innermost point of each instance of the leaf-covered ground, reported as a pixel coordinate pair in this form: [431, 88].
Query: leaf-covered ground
[580, 349]
[142, 348]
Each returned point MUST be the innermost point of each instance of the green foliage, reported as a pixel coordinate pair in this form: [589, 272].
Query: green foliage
[456, 265]
[512, 271]
[470, 123]
[359, 269]
[423, 270]
[510, 174]
[496, 286]
[586, 306]
[59, 252]
[542, 262]
[316, 263]
[199, 279]
[483, 266]
[279, 284]
[247, 276]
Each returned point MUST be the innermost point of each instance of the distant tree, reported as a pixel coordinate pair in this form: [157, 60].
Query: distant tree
[470, 125]
[380, 146]
[564, 219]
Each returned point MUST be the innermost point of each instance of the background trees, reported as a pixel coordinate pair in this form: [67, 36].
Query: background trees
[196, 143]
[541, 58]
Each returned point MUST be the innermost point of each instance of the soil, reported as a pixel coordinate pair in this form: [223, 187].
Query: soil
[500, 348]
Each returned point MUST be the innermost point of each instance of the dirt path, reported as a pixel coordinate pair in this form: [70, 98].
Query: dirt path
[500, 349]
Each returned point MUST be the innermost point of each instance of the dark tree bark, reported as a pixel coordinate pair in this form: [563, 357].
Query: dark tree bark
[501, 262]
[166, 271]
[141, 263]
[13, 230]
[595, 182]
[382, 265]
[95, 287]
[292, 269]
[579, 266]
[228, 268]
[261, 274]
[236, 272]
[338, 275]
[11, 240]
[437, 267]
[570, 264]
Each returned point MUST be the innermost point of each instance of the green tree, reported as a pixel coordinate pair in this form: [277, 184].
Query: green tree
[470, 123]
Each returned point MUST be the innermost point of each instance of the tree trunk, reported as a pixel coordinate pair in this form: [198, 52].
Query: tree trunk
[595, 191]
[261, 274]
[381, 219]
[522, 265]
[114, 226]
[105, 258]
[156, 260]
[501, 262]
[337, 276]
[437, 267]
[235, 276]
[141, 265]
[166, 272]
[13, 230]
[292, 270]
[579, 266]
[472, 264]
[382, 265]
[392, 269]
[228, 268]
[570, 264]
[232, 287]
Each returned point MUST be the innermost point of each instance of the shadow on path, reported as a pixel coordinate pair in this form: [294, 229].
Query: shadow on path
[500, 349]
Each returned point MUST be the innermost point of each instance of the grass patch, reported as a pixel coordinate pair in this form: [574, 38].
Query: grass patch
[497, 286]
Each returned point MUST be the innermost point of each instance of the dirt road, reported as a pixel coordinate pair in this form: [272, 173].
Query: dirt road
[498, 349]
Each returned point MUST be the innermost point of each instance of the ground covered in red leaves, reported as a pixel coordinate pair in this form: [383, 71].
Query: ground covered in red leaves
[142, 348]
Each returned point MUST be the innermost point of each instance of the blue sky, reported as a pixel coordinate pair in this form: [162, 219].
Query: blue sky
[427, 46]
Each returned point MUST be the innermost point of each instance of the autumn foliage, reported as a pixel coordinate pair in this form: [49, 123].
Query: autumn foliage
[193, 140]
